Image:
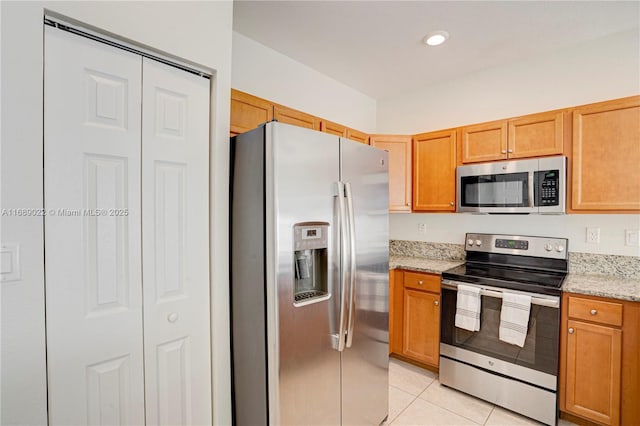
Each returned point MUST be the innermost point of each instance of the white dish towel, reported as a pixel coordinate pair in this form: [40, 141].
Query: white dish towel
[468, 308]
[514, 318]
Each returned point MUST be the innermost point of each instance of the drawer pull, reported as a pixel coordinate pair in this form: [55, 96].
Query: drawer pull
[435, 302]
[570, 330]
[420, 282]
[593, 312]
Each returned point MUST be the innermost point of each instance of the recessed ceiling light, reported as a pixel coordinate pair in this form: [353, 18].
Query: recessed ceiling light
[435, 38]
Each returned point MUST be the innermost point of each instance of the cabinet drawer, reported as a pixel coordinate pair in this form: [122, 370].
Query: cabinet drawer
[425, 282]
[595, 310]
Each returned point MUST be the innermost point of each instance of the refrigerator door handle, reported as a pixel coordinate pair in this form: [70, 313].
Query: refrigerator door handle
[343, 261]
[352, 265]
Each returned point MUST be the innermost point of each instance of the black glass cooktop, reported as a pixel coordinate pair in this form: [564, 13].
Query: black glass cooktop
[534, 280]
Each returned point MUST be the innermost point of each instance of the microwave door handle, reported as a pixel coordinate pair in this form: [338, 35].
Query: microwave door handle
[531, 195]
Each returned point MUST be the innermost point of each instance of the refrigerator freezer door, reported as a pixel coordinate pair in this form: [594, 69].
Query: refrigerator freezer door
[365, 363]
[304, 368]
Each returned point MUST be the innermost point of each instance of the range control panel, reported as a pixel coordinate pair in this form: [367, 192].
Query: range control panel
[512, 244]
[554, 248]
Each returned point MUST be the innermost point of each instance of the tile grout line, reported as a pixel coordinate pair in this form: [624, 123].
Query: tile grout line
[453, 412]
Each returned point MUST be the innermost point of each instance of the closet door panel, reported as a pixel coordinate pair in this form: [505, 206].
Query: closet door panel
[92, 129]
[175, 234]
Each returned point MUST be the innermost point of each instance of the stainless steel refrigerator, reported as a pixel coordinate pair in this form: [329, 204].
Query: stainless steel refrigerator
[309, 279]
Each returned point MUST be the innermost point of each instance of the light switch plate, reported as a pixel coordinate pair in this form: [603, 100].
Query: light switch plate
[10, 257]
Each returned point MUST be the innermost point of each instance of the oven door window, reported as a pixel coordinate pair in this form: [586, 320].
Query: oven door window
[540, 351]
[505, 190]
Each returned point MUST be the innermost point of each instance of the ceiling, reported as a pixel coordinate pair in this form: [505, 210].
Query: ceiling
[376, 47]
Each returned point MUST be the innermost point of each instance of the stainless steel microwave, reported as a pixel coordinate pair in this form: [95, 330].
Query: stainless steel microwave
[515, 186]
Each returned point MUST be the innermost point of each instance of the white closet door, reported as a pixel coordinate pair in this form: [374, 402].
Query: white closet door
[92, 244]
[175, 235]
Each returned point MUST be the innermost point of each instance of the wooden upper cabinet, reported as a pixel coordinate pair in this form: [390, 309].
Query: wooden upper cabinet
[248, 112]
[484, 142]
[357, 136]
[333, 128]
[536, 135]
[434, 171]
[606, 156]
[399, 149]
[295, 117]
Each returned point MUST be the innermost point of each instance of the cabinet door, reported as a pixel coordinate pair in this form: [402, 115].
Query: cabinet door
[333, 128]
[296, 118]
[606, 155]
[421, 326]
[484, 142]
[593, 371]
[248, 112]
[357, 136]
[434, 171]
[399, 149]
[536, 135]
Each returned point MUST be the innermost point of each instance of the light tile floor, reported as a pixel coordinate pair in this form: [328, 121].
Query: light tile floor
[417, 398]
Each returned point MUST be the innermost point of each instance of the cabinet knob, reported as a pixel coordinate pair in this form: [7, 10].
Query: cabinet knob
[172, 317]
[571, 330]
[451, 203]
[593, 312]
[504, 151]
[510, 151]
[420, 282]
[436, 302]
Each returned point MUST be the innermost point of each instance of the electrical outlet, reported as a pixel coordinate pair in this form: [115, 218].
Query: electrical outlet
[422, 228]
[632, 237]
[593, 235]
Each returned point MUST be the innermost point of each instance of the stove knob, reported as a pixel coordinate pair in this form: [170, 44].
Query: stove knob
[478, 243]
[470, 241]
[559, 248]
[548, 247]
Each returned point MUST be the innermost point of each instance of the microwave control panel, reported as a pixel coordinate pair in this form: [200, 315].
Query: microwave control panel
[547, 188]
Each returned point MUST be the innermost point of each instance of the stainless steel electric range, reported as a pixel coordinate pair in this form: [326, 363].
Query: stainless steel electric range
[522, 379]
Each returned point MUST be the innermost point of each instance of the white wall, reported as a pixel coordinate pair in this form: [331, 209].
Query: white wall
[603, 69]
[606, 68]
[263, 72]
[450, 228]
[198, 32]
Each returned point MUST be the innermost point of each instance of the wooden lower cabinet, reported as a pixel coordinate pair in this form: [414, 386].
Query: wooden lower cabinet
[599, 360]
[414, 316]
[594, 356]
[396, 303]
[421, 326]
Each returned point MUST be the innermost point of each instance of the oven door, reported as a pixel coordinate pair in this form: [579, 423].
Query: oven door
[536, 362]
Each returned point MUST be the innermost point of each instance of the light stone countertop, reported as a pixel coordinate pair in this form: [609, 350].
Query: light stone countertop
[421, 264]
[603, 285]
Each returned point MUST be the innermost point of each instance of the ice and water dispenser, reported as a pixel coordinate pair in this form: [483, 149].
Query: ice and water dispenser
[310, 240]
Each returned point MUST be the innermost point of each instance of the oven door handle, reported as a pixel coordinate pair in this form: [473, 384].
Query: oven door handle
[551, 302]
